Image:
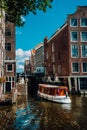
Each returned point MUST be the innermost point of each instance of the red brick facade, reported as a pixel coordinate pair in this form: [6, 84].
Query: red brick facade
[63, 52]
[10, 62]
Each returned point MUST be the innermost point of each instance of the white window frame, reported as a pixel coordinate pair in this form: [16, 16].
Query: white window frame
[72, 67]
[80, 22]
[71, 36]
[53, 47]
[11, 80]
[81, 36]
[54, 69]
[81, 51]
[82, 67]
[46, 55]
[72, 53]
[71, 24]
[53, 57]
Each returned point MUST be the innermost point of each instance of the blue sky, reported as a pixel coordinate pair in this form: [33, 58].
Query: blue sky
[37, 27]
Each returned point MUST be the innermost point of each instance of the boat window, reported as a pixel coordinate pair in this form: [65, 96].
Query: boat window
[42, 90]
[62, 92]
[56, 91]
[45, 90]
[51, 91]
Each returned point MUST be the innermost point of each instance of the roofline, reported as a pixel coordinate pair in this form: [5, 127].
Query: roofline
[57, 32]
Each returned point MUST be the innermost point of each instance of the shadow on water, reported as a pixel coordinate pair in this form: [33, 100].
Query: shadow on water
[37, 114]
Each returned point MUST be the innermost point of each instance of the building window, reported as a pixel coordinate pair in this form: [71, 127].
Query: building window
[83, 22]
[8, 46]
[9, 67]
[59, 55]
[46, 55]
[84, 67]
[59, 69]
[53, 58]
[84, 36]
[75, 67]
[83, 83]
[73, 22]
[74, 36]
[74, 51]
[7, 32]
[84, 50]
[53, 47]
[54, 69]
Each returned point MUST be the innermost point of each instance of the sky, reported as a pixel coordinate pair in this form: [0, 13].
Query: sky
[38, 26]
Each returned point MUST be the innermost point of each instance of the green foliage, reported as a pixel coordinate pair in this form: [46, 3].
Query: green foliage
[17, 8]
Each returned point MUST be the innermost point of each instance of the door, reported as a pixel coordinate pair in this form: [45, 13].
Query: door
[8, 86]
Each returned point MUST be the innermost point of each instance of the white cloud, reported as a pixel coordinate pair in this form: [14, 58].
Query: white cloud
[21, 56]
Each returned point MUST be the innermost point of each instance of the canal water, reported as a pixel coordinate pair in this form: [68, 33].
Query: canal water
[36, 114]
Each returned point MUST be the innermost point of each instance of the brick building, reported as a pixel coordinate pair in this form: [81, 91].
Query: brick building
[65, 53]
[10, 62]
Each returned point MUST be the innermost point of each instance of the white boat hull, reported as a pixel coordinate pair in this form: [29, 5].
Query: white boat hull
[55, 98]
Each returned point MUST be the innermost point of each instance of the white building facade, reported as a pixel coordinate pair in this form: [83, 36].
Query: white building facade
[2, 50]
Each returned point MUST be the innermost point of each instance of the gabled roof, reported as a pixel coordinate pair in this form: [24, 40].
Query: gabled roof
[59, 30]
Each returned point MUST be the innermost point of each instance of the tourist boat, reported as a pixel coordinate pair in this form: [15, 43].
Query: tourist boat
[54, 93]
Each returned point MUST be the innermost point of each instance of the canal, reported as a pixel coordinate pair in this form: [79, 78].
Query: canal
[35, 114]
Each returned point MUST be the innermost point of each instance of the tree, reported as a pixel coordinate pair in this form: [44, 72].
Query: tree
[16, 9]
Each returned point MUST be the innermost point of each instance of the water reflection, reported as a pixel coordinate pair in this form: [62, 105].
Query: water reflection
[25, 117]
[7, 117]
[33, 114]
[66, 106]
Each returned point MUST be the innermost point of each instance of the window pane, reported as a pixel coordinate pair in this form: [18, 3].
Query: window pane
[84, 67]
[52, 47]
[73, 22]
[12, 78]
[9, 78]
[84, 22]
[8, 46]
[53, 58]
[84, 50]
[46, 55]
[73, 36]
[9, 67]
[83, 83]
[83, 36]
[74, 50]
[7, 32]
[75, 67]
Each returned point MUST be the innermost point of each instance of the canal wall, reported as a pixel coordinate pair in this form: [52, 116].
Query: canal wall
[34, 80]
[32, 84]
